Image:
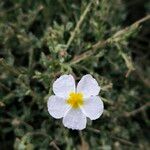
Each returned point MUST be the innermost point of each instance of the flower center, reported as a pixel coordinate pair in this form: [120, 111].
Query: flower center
[75, 99]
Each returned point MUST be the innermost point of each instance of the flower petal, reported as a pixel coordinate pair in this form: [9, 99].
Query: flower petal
[93, 107]
[64, 85]
[57, 107]
[88, 86]
[75, 119]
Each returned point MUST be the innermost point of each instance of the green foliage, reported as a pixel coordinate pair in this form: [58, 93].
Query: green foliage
[41, 40]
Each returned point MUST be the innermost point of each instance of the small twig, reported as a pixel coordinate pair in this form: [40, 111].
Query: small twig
[107, 87]
[124, 141]
[90, 52]
[145, 80]
[134, 112]
[81, 136]
[135, 25]
[62, 3]
[17, 121]
[77, 27]
[94, 130]
[4, 87]
[127, 59]
[38, 133]
[31, 53]
[84, 144]
[8, 67]
[107, 101]
[54, 145]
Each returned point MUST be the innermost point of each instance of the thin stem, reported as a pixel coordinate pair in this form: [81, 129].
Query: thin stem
[31, 53]
[77, 27]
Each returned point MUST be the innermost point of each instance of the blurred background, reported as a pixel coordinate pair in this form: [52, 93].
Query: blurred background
[43, 39]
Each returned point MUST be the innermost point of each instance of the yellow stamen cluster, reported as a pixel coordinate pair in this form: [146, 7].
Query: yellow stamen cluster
[75, 99]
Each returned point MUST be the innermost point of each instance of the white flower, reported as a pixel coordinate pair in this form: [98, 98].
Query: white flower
[73, 104]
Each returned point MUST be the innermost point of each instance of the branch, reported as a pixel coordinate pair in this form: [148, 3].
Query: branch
[101, 44]
[134, 112]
